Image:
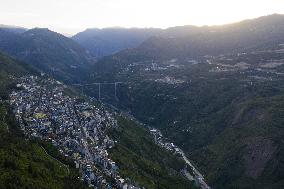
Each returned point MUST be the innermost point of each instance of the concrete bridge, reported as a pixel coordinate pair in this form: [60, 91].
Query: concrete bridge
[115, 85]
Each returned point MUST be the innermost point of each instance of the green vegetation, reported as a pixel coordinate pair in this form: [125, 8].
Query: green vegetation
[9, 68]
[48, 51]
[227, 119]
[143, 161]
[23, 163]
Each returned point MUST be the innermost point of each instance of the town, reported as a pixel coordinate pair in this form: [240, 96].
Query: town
[75, 126]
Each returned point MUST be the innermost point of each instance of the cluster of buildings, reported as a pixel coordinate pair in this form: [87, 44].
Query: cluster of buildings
[75, 126]
[159, 140]
[170, 80]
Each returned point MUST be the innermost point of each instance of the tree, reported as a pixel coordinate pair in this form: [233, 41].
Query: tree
[3, 113]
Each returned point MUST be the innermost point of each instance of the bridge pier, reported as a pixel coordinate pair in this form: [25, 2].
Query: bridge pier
[99, 88]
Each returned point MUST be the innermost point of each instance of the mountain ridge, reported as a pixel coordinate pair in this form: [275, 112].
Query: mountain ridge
[219, 97]
[97, 40]
[48, 51]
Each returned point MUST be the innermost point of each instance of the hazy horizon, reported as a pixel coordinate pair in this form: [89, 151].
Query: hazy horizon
[72, 16]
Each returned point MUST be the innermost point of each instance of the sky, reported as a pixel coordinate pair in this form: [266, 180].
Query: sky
[72, 16]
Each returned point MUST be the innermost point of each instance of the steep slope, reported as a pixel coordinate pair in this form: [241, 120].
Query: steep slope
[224, 110]
[24, 164]
[183, 42]
[48, 51]
[29, 163]
[102, 42]
[140, 159]
[226, 115]
[9, 68]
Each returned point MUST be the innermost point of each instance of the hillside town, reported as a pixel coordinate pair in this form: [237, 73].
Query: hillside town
[77, 127]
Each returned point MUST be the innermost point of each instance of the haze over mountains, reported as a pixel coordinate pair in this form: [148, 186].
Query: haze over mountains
[46, 50]
[102, 42]
[215, 91]
[188, 40]
[177, 41]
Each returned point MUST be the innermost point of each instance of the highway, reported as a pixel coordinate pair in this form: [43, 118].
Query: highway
[197, 175]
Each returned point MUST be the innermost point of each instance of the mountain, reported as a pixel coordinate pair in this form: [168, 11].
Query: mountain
[102, 42]
[217, 92]
[35, 164]
[48, 51]
[10, 68]
[14, 29]
[183, 42]
[24, 163]
[142, 160]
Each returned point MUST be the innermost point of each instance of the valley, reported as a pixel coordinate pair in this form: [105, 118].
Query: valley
[76, 127]
[183, 107]
[194, 174]
[196, 102]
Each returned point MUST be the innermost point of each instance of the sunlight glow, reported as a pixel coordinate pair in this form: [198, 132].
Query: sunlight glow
[75, 15]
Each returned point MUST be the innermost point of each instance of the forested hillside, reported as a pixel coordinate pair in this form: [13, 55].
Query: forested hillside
[48, 51]
[24, 163]
[224, 107]
[107, 41]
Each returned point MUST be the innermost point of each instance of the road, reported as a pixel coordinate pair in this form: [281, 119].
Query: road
[198, 176]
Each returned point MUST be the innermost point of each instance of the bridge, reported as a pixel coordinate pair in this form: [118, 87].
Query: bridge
[115, 84]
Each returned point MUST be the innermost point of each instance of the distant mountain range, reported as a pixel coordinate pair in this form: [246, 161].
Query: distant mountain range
[190, 41]
[216, 91]
[184, 41]
[14, 29]
[46, 50]
[54, 53]
[37, 164]
[102, 42]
